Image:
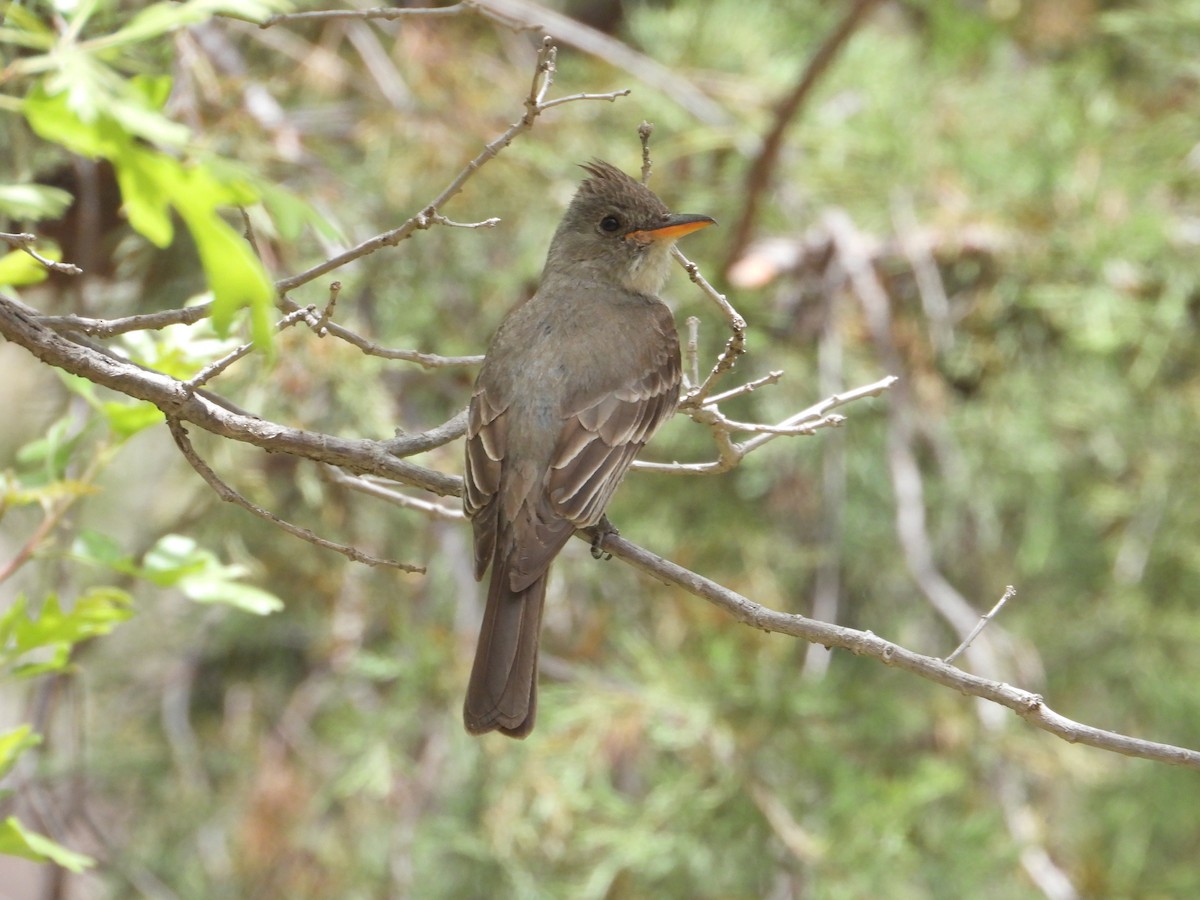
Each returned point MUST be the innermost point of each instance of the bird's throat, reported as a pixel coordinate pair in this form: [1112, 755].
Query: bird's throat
[647, 271]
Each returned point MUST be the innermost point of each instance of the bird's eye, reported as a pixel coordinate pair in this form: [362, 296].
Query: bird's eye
[610, 224]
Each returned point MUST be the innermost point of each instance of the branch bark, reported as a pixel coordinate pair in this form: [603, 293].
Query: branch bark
[20, 325]
[1029, 706]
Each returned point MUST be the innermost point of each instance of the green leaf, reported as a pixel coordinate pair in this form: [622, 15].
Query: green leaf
[33, 201]
[139, 119]
[155, 21]
[52, 119]
[127, 419]
[95, 547]
[147, 180]
[16, 840]
[55, 660]
[291, 213]
[236, 277]
[155, 89]
[53, 450]
[26, 493]
[178, 560]
[206, 589]
[13, 743]
[173, 557]
[18, 268]
[94, 613]
[26, 29]
[152, 182]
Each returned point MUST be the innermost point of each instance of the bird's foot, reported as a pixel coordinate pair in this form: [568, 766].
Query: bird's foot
[604, 528]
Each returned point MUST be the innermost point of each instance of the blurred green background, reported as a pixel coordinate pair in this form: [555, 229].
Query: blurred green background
[1026, 179]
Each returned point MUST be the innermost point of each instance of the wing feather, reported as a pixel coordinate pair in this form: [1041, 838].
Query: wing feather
[604, 431]
[486, 427]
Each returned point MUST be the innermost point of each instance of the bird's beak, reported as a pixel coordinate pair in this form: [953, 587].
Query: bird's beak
[675, 226]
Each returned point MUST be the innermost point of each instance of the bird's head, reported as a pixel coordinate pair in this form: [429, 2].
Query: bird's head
[617, 229]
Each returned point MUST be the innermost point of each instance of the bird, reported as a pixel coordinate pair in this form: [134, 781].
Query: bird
[576, 380]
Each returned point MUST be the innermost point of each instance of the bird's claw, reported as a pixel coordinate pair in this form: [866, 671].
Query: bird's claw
[604, 528]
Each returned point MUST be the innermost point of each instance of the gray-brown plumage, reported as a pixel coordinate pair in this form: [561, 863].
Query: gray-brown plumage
[575, 382]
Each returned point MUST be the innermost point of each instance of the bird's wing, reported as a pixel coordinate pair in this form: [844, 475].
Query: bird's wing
[500, 499]
[605, 429]
[486, 431]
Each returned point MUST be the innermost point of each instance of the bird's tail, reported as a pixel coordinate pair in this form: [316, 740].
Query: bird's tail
[502, 693]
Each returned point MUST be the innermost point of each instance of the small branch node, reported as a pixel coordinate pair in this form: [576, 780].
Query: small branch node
[644, 131]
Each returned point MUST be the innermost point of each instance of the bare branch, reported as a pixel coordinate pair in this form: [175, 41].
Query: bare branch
[583, 37]
[374, 457]
[735, 346]
[189, 315]
[229, 495]
[215, 368]
[730, 454]
[1030, 707]
[391, 13]
[692, 354]
[758, 178]
[381, 492]
[830, 403]
[611, 97]
[438, 219]
[370, 348]
[411, 444]
[321, 326]
[248, 232]
[750, 386]
[644, 131]
[1009, 593]
[25, 241]
[535, 105]
[176, 401]
[104, 328]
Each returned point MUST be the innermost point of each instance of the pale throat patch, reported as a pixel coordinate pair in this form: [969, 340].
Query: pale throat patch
[647, 272]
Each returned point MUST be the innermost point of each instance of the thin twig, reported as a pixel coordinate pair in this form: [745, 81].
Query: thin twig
[535, 105]
[693, 351]
[25, 241]
[616, 53]
[104, 328]
[216, 367]
[750, 386]
[734, 347]
[321, 326]
[228, 494]
[730, 454]
[248, 231]
[806, 428]
[1009, 593]
[391, 13]
[610, 96]
[644, 131]
[758, 179]
[370, 348]
[53, 514]
[373, 489]
[439, 219]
